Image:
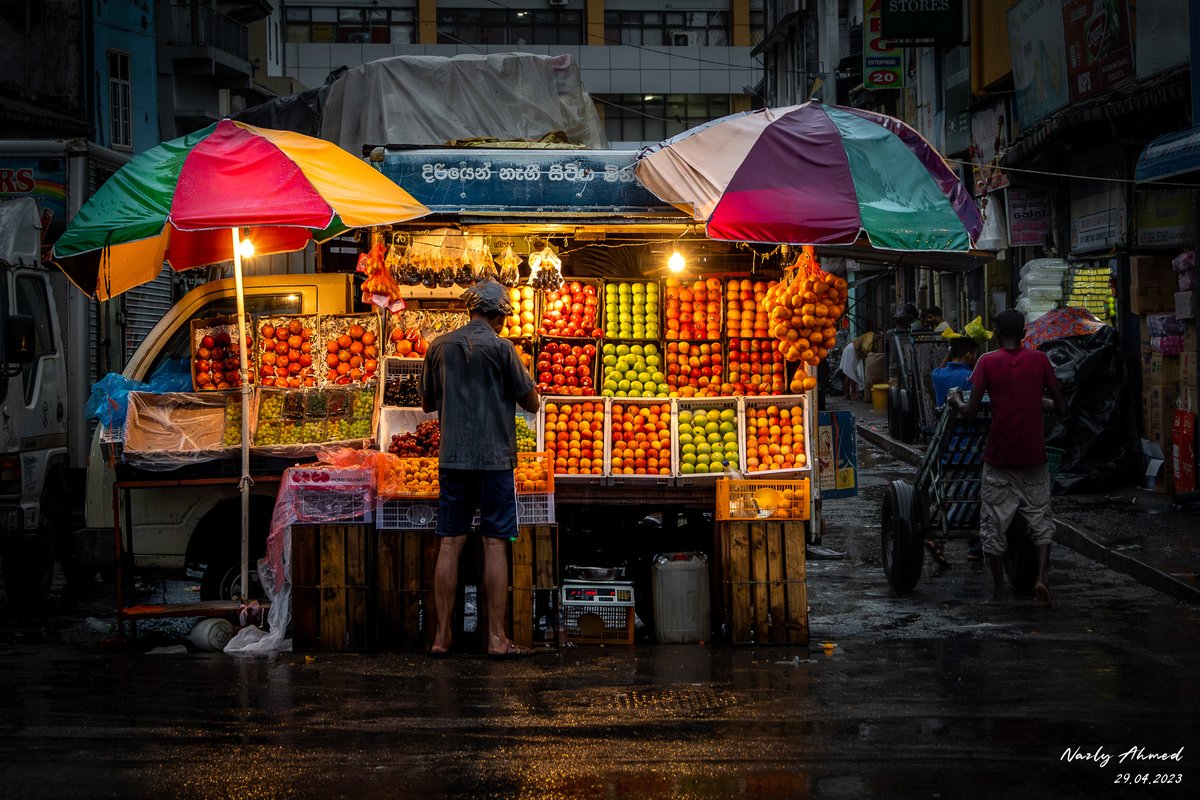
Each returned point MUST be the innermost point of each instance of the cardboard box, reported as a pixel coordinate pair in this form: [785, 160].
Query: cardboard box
[1149, 299]
[1164, 370]
[1148, 271]
[1183, 306]
[1158, 409]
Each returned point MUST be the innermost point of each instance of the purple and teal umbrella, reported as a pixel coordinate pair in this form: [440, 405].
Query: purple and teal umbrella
[814, 174]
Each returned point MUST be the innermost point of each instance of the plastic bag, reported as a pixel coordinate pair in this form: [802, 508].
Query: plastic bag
[1185, 261]
[1166, 334]
[109, 400]
[172, 376]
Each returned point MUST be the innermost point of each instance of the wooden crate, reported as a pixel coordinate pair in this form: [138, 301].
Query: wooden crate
[331, 584]
[404, 589]
[764, 590]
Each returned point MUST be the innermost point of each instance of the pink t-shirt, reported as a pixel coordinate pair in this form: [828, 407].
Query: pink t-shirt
[1014, 381]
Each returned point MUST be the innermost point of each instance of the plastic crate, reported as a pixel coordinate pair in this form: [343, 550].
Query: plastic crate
[739, 332]
[394, 420]
[790, 401]
[533, 509]
[634, 405]
[394, 368]
[541, 468]
[668, 292]
[755, 499]
[405, 484]
[652, 329]
[1054, 459]
[560, 472]
[618, 624]
[405, 515]
[769, 357]
[692, 405]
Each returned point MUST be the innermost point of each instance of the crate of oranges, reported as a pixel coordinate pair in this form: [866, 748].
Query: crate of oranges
[534, 473]
[408, 477]
[776, 440]
[640, 441]
[573, 433]
[756, 499]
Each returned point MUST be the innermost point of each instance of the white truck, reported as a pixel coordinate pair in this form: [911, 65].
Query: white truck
[197, 530]
[33, 408]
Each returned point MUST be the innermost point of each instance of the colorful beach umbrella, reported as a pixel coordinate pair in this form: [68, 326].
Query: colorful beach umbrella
[178, 201]
[814, 174]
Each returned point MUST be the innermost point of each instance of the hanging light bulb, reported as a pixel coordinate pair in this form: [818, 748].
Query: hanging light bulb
[675, 263]
[246, 248]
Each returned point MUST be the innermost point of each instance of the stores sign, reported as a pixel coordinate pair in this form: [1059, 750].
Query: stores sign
[883, 64]
[921, 21]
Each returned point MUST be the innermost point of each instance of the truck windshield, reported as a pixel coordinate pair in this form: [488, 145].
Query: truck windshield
[177, 349]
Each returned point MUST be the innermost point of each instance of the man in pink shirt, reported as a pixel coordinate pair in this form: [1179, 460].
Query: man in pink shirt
[1015, 477]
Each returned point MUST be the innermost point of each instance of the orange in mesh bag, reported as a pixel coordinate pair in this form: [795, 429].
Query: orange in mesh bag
[804, 313]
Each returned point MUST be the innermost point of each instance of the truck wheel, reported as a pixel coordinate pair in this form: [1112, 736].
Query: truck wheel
[902, 531]
[27, 565]
[222, 580]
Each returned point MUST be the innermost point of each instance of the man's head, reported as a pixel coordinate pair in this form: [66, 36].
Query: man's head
[1010, 325]
[965, 350]
[907, 315]
[488, 300]
[931, 317]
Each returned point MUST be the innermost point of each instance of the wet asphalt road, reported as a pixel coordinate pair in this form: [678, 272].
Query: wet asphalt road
[931, 695]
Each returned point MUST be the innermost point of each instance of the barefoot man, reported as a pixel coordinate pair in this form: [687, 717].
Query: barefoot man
[1016, 478]
[474, 379]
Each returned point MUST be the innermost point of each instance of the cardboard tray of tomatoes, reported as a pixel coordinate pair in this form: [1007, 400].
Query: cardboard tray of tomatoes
[564, 314]
[285, 351]
[351, 348]
[216, 355]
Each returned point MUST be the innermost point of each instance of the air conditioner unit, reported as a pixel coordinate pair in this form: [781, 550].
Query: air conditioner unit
[685, 38]
[558, 2]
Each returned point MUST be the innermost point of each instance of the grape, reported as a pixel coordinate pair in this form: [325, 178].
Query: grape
[526, 439]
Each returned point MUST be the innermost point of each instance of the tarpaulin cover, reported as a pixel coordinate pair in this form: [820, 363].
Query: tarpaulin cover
[430, 100]
[109, 399]
[1060, 323]
[1099, 436]
[166, 431]
[338, 488]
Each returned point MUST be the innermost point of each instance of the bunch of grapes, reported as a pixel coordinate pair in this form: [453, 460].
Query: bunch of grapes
[401, 390]
[526, 438]
[424, 442]
[429, 437]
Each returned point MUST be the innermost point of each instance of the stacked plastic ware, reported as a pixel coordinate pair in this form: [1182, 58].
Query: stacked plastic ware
[1041, 286]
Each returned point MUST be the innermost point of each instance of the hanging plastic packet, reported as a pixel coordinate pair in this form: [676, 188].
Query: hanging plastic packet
[544, 268]
[509, 263]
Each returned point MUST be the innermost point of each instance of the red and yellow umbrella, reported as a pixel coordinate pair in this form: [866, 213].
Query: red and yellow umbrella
[178, 201]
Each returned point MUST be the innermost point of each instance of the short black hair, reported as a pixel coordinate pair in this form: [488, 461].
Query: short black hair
[933, 311]
[1010, 324]
[963, 346]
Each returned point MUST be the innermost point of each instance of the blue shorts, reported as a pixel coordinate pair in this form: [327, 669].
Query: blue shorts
[491, 491]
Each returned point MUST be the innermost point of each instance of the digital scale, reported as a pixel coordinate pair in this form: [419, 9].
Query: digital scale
[599, 612]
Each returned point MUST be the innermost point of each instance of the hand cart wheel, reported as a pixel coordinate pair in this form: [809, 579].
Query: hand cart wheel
[902, 415]
[1020, 557]
[902, 535]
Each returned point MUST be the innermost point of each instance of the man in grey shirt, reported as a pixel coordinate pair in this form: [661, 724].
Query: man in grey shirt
[474, 379]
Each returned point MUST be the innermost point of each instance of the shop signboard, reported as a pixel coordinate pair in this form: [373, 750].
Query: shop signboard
[1029, 217]
[523, 182]
[44, 178]
[1098, 204]
[1164, 218]
[1099, 48]
[837, 455]
[883, 63]
[956, 71]
[1162, 36]
[917, 22]
[1039, 60]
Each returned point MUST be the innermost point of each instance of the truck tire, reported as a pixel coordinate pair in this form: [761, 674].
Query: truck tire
[222, 580]
[27, 566]
[220, 534]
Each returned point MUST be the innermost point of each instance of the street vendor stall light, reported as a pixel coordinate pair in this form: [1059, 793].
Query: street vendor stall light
[246, 248]
[676, 263]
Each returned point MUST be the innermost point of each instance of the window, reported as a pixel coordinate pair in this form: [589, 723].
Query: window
[638, 118]
[176, 355]
[504, 26]
[667, 28]
[330, 24]
[119, 101]
[33, 302]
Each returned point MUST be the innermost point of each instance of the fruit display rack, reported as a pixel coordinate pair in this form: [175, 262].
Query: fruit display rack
[284, 353]
[771, 432]
[708, 432]
[639, 441]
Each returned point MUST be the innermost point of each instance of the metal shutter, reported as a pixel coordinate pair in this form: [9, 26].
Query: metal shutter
[144, 306]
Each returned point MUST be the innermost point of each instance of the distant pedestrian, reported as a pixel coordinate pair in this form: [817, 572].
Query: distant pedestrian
[474, 379]
[932, 320]
[956, 373]
[1016, 478]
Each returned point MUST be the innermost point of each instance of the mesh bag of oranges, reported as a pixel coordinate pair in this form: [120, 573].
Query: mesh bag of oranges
[803, 312]
[409, 477]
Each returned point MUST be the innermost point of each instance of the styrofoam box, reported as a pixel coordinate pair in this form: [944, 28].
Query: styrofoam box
[541, 434]
[394, 420]
[810, 430]
[639, 402]
[694, 404]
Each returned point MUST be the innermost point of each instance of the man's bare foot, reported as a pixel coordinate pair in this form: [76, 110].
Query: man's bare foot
[507, 649]
[1041, 593]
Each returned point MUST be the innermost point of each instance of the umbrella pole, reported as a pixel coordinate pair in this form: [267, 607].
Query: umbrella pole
[244, 373]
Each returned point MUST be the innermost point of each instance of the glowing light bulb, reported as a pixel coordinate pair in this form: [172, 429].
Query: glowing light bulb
[246, 248]
[675, 263]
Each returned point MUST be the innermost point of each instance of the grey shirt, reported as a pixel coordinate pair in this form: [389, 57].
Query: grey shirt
[474, 379]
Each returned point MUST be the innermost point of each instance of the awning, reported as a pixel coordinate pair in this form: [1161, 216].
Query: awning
[1170, 156]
